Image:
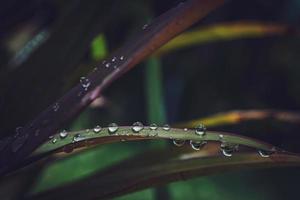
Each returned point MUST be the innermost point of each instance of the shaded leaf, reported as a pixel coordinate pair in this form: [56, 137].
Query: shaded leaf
[89, 137]
[237, 116]
[157, 168]
[90, 87]
[225, 31]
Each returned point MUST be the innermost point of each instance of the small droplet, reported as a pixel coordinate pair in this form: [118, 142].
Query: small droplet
[153, 127]
[122, 58]
[112, 128]
[97, 129]
[107, 65]
[178, 143]
[137, 127]
[85, 83]
[200, 130]
[265, 154]
[51, 136]
[78, 138]
[166, 127]
[115, 66]
[54, 140]
[63, 134]
[56, 107]
[19, 142]
[185, 129]
[114, 59]
[228, 149]
[221, 137]
[145, 26]
[197, 145]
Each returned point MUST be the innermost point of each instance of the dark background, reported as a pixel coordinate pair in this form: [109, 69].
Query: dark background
[198, 81]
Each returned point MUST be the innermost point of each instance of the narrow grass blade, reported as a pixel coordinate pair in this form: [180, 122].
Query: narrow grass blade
[90, 87]
[237, 116]
[161, 167]
[224, 32]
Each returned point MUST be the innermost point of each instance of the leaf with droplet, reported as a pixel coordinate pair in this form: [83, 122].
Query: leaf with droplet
[113, 133]
[167, 26]
[161, 167]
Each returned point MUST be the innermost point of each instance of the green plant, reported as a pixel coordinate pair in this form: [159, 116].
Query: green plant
[31, 149]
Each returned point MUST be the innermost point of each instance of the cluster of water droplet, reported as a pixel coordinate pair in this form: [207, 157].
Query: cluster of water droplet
[114, 62]
[85, 83]
[226, 148]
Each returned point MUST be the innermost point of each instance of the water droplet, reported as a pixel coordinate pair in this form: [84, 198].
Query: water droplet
[185, 129]
[54, 140]
[78, 138]
[55, 107]
[107, 65]
[51, 136]
[122, 58]
[264, 153]
[19, 142]
[137, 127]
[166, 127]
[153, 127]
[115, 66]
[114, 59]
[97, 129]
[221, 137]
[85, 83]
[145, 26]
[112, 128]
[178, 143]
[63, 134]
[197, 145]
[200, 130]
[228, 149]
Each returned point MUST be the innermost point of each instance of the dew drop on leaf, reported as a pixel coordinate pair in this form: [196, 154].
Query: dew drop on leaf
[228, 149]
[145, 26]
[166, 127]
[122, 58]
[56, 107]
[197, 145]
[114, 59]
[153, 127]
[78, 138]
[54, 140]
[178, 143]
[97, 129]
[200, 130]
[265, 154]
[85, 82]
[63, 134]
[107, 65]
[137, 127]
[112, 128]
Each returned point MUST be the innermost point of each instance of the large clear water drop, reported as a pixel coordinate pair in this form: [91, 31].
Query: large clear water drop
[112, 128]
[137, 127]
[197, 145]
